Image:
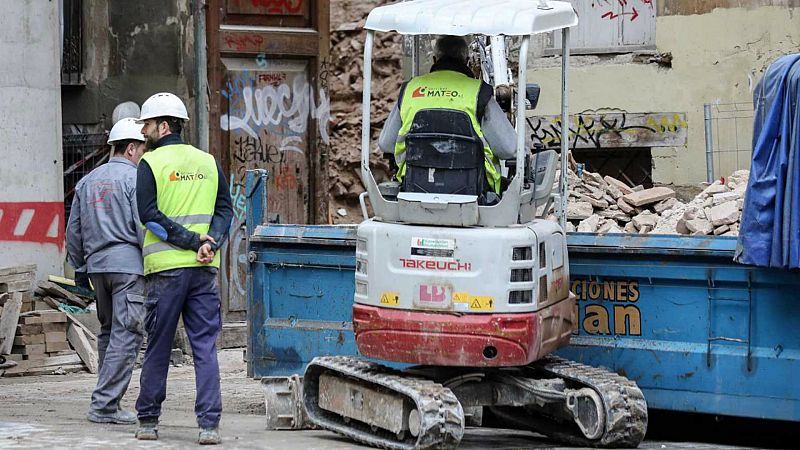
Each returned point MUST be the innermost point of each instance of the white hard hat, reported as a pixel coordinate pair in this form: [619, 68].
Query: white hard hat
[163, 104]
[126, 129]
[126, 109]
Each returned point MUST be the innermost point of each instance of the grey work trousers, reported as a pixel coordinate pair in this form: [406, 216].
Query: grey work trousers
[120, 309]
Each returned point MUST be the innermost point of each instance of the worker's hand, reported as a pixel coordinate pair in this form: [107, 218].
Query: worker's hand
[205, 254]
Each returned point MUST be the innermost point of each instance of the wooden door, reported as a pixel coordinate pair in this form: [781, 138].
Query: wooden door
[270, 109]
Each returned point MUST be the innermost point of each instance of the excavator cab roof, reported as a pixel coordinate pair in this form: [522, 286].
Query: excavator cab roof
[463, 17]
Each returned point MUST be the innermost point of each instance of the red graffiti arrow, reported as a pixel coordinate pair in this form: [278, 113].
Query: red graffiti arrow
[610, 15]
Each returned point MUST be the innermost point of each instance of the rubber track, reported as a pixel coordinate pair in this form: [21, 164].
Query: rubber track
[442, 418]
[626, 408]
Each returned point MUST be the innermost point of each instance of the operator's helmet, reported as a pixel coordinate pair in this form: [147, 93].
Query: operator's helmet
[126, 129]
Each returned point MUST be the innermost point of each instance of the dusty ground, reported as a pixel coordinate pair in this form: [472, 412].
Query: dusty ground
[48, 412]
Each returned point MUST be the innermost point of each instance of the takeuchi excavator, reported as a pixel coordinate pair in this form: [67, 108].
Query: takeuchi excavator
[470, 295]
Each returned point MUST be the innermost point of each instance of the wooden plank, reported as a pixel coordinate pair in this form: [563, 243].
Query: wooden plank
[57, 291]
[35, 328]
[46, 370]
[8, 322]
[17, 269]
[55, 336]
[31, 349]
[83, 346]
[56, 346]
[51, 316]
[29, 339]
[14, 277]
[75, 321]
[48, 327]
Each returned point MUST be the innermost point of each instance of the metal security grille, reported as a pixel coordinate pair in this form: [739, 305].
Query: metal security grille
[71, 52]
[729, 138]
[82, 154]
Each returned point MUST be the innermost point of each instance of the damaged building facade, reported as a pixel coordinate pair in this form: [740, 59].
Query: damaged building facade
[643, 73]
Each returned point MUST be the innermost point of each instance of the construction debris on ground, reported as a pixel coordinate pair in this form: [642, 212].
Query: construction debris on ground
[35, 332]
[600, 204]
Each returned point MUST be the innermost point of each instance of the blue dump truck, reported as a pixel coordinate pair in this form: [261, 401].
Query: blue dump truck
[695, 330]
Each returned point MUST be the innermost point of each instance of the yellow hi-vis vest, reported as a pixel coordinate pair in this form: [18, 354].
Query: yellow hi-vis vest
[186, 192]
[443, 89]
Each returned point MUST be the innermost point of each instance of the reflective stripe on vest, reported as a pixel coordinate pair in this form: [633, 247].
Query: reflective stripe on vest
[186, 192]
[160, 246]
[443, 89]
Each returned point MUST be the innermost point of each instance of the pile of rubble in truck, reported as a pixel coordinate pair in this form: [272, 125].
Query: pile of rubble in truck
[599, 204]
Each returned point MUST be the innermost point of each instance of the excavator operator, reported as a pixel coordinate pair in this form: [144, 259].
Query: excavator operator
[450, 87]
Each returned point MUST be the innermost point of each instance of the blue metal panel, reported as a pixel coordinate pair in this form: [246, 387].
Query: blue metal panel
[649, 306]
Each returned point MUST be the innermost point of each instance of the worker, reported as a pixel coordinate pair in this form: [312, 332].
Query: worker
[186, 209]
[450, 73]
[104, 240]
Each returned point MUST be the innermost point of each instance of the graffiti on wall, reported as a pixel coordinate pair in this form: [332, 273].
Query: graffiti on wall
[611, 130]
[270, 121]
[621, 9]
[270, 7]
[34, 222]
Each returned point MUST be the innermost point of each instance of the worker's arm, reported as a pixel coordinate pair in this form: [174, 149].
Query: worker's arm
[75, 256]
[391, 128]
[135, 223]
[154, 219]
[498, 131]
[223, 213]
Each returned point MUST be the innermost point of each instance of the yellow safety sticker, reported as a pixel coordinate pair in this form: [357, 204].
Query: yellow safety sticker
[390, 298]
[475, 302]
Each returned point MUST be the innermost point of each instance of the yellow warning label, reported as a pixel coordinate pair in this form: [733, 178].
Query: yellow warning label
[390, 298]
[476, 302]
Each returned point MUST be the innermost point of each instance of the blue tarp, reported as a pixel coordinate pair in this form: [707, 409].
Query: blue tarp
[769, 235]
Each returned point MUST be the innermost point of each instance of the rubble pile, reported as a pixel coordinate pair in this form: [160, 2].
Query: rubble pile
[600, 204]
[345, 80]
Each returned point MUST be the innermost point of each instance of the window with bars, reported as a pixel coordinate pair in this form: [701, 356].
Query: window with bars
[71, 43]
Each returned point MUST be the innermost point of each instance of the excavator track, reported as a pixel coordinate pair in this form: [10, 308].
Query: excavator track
[623, 402]
[441, 418]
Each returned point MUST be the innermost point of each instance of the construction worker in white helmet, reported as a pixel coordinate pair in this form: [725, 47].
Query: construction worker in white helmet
[185, 206]
[104, 239]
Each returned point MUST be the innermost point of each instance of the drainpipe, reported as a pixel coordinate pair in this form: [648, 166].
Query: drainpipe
[201, 76]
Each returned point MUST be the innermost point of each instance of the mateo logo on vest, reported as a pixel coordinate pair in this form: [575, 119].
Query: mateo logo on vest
[424, 91]
[183, 176]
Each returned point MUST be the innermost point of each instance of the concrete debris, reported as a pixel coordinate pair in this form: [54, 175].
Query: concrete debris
[699, 226]
[648, 196]
[589, 225]
[579, 210]
[608, 205]
[645, 219]
[724, 214]
[619, 185]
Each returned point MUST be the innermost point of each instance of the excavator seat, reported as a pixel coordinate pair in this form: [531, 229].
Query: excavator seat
[444, 155]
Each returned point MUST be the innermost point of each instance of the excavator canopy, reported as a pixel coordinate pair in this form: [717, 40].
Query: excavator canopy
[463, 17]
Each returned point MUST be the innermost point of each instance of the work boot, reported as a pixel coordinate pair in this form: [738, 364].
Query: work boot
[119, 416]
[6, 363]
[209, 436]
[147, 431]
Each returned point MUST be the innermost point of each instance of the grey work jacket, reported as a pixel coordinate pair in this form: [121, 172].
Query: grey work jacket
[103, 232]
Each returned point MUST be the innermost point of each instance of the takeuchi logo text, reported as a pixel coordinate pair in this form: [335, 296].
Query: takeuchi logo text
[424, 91]
[450, 266]
[187, 176]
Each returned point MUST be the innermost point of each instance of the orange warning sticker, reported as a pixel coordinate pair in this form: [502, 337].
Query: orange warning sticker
[475, 302]
[390, 298]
